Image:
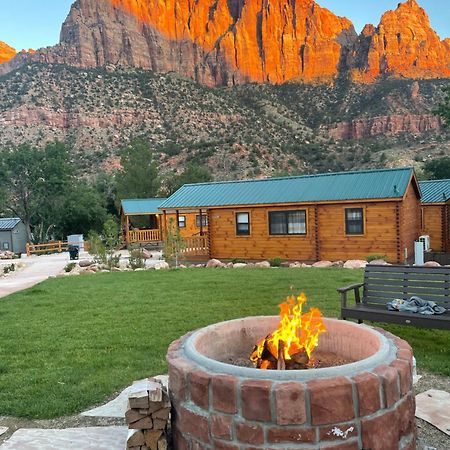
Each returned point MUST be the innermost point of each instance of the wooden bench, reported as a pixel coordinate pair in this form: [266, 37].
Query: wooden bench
[385, 283]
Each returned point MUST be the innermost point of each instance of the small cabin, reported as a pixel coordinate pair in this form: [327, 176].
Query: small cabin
[435, 214]
[13, 235]
[333, 216]
[141, 220]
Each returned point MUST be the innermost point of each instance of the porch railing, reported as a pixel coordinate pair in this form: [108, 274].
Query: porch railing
[196, 246]
[144, 236]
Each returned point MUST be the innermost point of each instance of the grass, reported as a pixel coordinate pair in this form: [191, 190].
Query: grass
[70, 343]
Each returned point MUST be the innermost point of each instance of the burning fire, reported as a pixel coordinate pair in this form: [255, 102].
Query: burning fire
[291, 344]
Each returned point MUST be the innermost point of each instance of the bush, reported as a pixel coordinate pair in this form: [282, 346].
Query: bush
[137, 260]
[375, 257]
[69, 267]
[104, 246]
[275, 262]
[10, 268]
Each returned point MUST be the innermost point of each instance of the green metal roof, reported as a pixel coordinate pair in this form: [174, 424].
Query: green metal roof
[362, 185]
[141, 206]
[435, 191]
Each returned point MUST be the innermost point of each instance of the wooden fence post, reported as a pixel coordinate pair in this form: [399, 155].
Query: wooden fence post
[28, 249]
[59, 246]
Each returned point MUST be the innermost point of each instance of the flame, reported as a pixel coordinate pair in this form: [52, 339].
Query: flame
[298, 331]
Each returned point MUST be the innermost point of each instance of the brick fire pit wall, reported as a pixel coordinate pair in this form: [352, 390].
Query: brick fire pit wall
[368, 404]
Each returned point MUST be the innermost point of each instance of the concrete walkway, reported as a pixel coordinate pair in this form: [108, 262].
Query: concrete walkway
[38, 269]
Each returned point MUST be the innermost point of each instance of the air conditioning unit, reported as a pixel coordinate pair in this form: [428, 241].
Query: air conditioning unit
[426, 242]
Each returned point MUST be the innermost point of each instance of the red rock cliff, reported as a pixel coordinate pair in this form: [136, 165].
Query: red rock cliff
[6, 52]
[220, 42]
[403, 44]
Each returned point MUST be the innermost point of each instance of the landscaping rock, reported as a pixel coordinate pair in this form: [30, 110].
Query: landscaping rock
[213, 263]
[355, 264]
[85, 263]
[146, 254]
[432, 264]
[337, 264]
[286, 264]
[239, 265]
[322, 264]
[263, 265]
[295, 265]
[379, 262]
[3, 430]
[7, 255]
[162, 266]
[251, 265]
[305, 266]
[230, 265]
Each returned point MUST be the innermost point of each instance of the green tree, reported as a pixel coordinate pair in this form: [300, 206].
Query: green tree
[192, 174]
[104, 246]
[34, 183]
[443, 109]
[437, 169]
[139, 175]
[174, 244]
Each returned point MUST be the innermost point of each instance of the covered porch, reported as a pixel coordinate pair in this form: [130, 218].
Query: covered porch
[141, 221]
[193, 226]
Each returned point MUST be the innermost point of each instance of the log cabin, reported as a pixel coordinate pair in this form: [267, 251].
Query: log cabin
[141, 221]
[435, 213]
[333, 216]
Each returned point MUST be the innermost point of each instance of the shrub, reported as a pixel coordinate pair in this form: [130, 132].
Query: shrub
[137, 260]
[10, 268]
[375, 257]
[69, 267]
[275, 262]
[103, 247]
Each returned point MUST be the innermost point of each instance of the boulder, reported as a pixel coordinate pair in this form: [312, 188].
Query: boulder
[230, 265]
[306, 266]
[212, 263]
[239, 265]
[322, 264]
[379, 262]
[263, 265]
[432, 264]
[162, 266]
[295, 265]
[337, 264]
[355, 264]
[85, 263]
[146, 254]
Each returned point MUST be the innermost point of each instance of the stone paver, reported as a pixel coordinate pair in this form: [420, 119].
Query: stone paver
[118, 406]
[38, 269]
[433, 406]
[93, 438]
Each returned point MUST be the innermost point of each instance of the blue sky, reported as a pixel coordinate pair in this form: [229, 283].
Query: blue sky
[34, 23]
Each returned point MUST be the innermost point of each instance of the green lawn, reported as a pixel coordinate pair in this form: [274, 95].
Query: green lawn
[69, 343]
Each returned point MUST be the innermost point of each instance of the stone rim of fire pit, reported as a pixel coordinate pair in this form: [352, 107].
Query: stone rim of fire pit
[384, 355]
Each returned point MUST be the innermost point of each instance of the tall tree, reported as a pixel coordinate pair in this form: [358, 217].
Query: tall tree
[139, 175]
[437, 169]
[192, 174]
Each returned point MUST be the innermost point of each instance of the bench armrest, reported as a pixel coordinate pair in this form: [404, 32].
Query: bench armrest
[344, 290]
[352, 287]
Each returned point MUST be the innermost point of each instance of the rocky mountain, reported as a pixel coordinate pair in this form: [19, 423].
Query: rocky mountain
[6, 52]
[228, 42]
[241, 131]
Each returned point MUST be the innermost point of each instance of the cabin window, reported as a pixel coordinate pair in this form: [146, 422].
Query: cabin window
[243, 224]
[204, 220]
[181, 221]
[5, 245]
[354, 221]
[287, 222]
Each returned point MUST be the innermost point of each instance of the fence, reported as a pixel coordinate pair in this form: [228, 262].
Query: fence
[144, 236]
[51, 247]
[196, 246]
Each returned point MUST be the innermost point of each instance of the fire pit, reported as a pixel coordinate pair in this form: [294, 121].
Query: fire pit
[366, 404]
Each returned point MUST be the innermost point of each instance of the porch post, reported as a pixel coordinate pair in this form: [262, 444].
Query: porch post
[178, 219]
[201, 223]
[164, 226]
[127, 230]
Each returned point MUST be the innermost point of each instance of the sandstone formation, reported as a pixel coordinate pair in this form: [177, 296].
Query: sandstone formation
[404, 44]
[226, 42]
[6, 52]
[385, 125]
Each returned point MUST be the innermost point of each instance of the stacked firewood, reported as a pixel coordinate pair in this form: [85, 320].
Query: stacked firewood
[148, 416]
